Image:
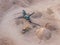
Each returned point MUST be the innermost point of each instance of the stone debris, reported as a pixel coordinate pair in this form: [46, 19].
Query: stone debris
[43, 33]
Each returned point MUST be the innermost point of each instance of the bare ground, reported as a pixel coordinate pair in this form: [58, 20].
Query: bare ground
[10, 31]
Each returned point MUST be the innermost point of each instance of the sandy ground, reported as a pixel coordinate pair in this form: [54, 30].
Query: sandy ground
[11, 32]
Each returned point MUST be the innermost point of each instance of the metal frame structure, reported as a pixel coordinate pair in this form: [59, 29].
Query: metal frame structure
[27, 17]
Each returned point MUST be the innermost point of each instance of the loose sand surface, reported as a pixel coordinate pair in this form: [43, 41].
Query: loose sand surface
[46, 11]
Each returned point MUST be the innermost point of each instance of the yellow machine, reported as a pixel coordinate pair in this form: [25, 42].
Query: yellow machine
[26, 29]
